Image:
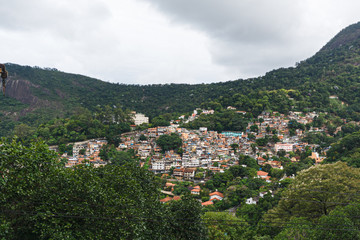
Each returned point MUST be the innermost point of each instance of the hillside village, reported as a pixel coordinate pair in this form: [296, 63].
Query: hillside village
[269, 157]
[206, 149]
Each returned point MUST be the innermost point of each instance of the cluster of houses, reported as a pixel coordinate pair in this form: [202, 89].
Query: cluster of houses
[206, 149]
[215, 151]
[277, 124]
[214, 196]
[203, 149]
[84, 152]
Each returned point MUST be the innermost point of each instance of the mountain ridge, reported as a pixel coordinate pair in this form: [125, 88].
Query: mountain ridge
[333, 70]
[345, 37]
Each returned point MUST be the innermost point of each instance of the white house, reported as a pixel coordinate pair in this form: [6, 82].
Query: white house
[216, 196]
[252, 200]
[140, 118]
[287, 147]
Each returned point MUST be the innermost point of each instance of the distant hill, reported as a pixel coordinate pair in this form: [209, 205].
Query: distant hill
[35, 95]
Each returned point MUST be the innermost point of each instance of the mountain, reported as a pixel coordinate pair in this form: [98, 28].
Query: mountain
[35, 95]
[347, 37]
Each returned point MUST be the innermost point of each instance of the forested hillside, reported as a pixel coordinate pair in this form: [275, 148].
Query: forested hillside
[36, 95]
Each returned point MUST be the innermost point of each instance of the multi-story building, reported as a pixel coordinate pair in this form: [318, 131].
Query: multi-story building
[140, 118]
[287, 147]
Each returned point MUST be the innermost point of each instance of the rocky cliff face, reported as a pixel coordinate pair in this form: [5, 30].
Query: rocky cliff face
[348, 37]
[22, 90]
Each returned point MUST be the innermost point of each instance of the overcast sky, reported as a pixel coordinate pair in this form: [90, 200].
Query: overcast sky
[169, 41]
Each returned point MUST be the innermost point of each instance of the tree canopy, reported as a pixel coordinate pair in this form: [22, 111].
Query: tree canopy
[317, 191]
[347, 149]
[169, 142]
[41, 199]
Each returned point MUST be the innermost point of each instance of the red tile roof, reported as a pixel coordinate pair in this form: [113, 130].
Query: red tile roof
[164, 200]
[207, 203]
[262, 173]
[217, 193]
[176, 198]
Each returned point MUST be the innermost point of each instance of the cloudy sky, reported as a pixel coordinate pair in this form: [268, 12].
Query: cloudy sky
[169, 41]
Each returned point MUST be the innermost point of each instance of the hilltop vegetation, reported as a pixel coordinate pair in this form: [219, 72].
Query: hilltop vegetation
[38, 95]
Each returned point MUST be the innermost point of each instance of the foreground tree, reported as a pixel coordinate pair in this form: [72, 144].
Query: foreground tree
[223, 225]
[341, 223]
[23, 173]
[41, 199]
[316, 192]
[297, 228]
[347, 149]
[183, 220]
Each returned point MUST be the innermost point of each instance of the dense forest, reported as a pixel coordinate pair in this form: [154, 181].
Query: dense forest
[107, 122]
[41, 199]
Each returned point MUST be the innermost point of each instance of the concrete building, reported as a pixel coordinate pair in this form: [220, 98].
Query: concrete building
[287, 147]
[140, 118]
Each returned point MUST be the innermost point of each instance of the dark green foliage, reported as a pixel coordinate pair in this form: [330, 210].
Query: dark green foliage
[292, 168]
[121, 158]
[316, 192]
[298, 228]
[223, 225]
[276, 173]
[252, 213]
[82, 151]
[69, 149]
[274, 139]
[181, 188]
[319, 138]
[347, 150]
[169, 142]
[332, 71]
[254, 128]
[183, 220]
[222, 120]
[239, 171]
[343, 223]
[110, 154]
[262, 142]
[220, 180]
[350, 128]
[40, 199]
[255, 183]
[248, 161]
[293, 124]
[234, 147]
[107, 122]
[143, 138]
[159, 121]
[266, 168]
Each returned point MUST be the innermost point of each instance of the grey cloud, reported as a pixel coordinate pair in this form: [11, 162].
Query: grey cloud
[59, 17]
[249, 36]
[158, 41]
[233, 20]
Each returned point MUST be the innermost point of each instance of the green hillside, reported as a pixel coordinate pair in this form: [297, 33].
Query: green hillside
[36, 95]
